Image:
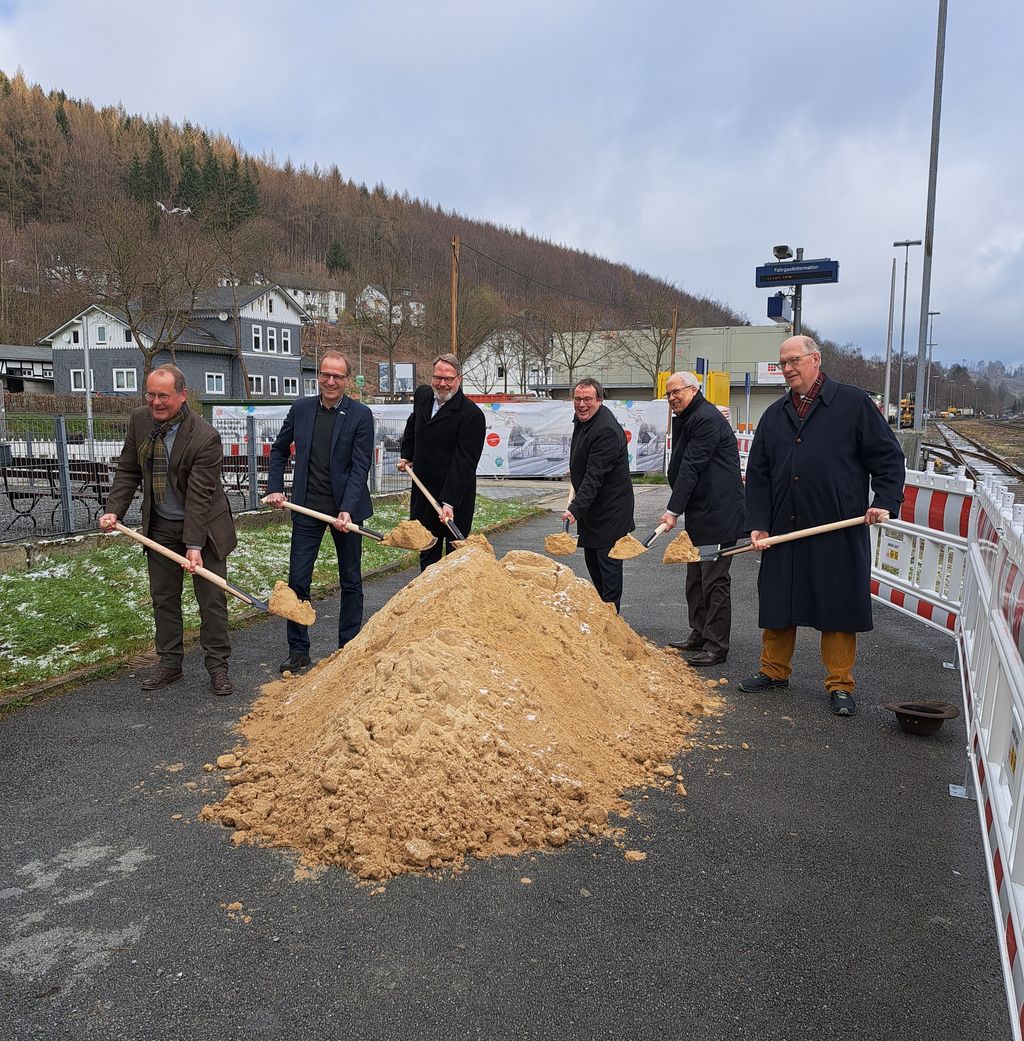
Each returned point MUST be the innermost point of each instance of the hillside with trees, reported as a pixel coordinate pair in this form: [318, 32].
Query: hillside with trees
[98, 205]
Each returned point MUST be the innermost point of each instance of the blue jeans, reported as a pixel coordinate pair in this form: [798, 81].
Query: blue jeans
[307, 534]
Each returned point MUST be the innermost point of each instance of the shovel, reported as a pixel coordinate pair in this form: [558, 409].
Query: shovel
[246, 598]
[716, 552]
[368, 533]
[556, 544]
[450, 525]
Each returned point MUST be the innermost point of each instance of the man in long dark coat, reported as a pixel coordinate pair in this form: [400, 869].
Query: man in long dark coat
[815, 453]
[602, 504]
[443, 440]
[707, 489]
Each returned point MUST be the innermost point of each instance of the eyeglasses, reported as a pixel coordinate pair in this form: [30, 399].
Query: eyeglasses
[792, 363]
[328, 377]
[162, 398]
[583, 401]
[678, 390]
[443, 379]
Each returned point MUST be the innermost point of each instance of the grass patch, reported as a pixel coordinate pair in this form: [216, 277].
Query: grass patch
[70, 612]
[651, 478]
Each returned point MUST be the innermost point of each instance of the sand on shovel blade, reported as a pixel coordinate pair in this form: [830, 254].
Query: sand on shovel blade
[560, 545]
[409, 534]
[681, 551]
[285, 604]
[626, 548]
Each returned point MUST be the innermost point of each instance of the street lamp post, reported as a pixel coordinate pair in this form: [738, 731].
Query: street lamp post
[906, 244]
[888, 345]
[931, 345]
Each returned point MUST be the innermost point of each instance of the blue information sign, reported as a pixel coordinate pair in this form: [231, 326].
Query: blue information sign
[797, 273]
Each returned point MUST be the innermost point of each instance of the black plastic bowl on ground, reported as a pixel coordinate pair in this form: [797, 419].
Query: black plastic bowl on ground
[922, 717]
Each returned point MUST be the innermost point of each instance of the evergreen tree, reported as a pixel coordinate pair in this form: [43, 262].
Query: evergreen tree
[337, 261]
[190, 186]
[62, 119]
[158, 177]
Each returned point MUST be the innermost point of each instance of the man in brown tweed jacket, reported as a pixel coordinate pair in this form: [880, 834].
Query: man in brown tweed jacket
[176, 456]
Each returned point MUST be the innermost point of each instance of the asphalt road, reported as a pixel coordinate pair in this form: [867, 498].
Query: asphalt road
[820, 884]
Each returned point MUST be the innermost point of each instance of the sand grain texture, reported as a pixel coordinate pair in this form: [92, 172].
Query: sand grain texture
[285, 604]
[680, 551]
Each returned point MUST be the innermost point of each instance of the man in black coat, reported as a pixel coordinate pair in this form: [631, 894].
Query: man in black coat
[602, 504]
[443, 441]
[815, 453]
[333, 440]
[707, 489]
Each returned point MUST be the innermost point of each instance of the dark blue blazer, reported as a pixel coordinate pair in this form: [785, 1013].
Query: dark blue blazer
[351, 454]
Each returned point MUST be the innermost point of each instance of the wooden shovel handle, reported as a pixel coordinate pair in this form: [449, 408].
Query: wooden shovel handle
[803, 533]
[327, 519]
[179, 559]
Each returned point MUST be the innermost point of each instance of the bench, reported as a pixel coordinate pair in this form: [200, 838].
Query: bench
[26, 483]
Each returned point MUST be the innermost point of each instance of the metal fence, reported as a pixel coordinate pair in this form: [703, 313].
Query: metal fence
[54, 481]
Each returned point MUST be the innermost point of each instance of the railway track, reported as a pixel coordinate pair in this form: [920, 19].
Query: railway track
[979, 460]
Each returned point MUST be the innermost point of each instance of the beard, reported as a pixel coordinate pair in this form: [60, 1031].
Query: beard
[443, 396]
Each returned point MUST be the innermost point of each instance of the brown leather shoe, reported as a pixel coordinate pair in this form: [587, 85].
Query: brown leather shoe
[160, 676]
[220, 683]
[692, 643]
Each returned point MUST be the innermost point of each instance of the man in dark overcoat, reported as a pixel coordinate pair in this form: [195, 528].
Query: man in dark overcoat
[333, 440]
[818, 452]
[707, 489]
[602, 503]
[176, 456]
[443, 441]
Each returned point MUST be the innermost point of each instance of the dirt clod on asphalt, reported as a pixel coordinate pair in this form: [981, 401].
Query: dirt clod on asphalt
[491, 707]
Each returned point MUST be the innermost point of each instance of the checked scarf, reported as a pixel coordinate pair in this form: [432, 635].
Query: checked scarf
[148, 451]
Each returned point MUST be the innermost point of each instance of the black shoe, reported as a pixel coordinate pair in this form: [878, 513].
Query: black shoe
[759, 681]
[699, 658]
[693, 643]
[295, 663]
[843, 703]
[160, 676]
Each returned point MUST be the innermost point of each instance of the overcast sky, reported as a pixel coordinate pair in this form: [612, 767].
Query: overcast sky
[682, 137]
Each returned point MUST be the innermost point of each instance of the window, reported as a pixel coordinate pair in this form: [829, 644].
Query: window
[291, 386]
[270, 304]
[272, 339]
[286, 341]
[126, 379]
[272, 386]
[75, 337]
[78, 381]
[215, 383]
[312, 387]
[255, 384]
[501, 372]
[127, 336]
[257, 337]
[101, 334]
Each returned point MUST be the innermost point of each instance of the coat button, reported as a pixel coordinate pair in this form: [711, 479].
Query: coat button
[792, 517]
[799, 440]
[796, 478]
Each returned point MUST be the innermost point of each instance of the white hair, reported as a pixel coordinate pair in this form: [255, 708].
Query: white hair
[688, 378]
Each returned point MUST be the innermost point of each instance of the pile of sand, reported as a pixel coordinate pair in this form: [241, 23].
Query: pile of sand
[681, 551]
[489, 708]
[626, 548]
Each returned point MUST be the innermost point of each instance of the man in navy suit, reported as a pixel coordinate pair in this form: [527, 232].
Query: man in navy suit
[333, 439]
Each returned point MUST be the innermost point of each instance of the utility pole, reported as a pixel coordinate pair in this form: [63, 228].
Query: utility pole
[905, 244]
[798, 298]
[888, 345]
[675, 330]
[455, 295]
[929, 223]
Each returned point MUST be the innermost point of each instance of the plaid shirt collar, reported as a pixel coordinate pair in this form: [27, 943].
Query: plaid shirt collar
[802, 402]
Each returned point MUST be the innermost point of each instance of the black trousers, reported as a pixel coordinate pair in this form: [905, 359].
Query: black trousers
[709, 602]
[166, 581]
[307, 534]
[606, 574]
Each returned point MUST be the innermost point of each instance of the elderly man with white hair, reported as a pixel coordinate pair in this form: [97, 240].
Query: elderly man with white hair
[707, 491]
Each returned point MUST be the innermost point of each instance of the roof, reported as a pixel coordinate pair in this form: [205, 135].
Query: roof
[14, 352]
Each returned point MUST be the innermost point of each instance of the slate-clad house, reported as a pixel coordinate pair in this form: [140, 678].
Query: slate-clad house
[271, 333]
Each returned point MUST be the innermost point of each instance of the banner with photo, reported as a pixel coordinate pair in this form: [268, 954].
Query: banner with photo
[523, 439]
